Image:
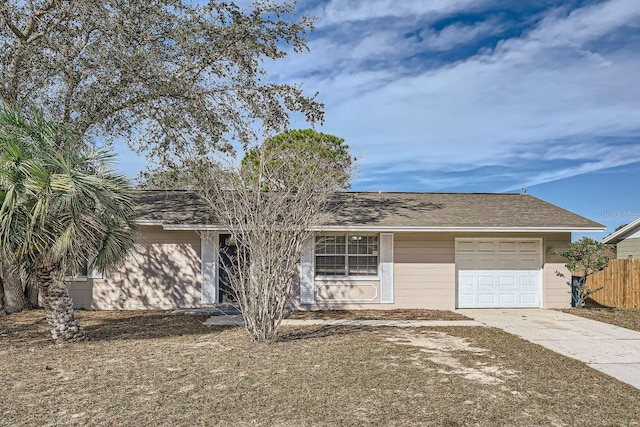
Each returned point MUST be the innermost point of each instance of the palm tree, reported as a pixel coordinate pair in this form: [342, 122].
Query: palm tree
[62, 209]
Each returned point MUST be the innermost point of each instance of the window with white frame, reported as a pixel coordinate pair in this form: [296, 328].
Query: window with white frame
[82, 274]
[347, 255]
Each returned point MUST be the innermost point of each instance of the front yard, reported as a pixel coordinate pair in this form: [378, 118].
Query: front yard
[158, 368]
[624, 318]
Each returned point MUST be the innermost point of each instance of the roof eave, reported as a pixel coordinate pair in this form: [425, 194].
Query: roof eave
[459, 229]
[622, 233]
[382, 229]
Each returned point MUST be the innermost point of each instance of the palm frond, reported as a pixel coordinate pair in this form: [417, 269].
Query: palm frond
[59, 201]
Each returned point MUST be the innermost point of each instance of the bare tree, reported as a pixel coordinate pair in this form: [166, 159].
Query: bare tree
[270, 222]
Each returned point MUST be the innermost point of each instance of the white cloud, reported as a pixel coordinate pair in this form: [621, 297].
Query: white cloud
[340, 11]
[547, 85]
[459, 34]
[330, 57]
[614, 158]
[337, 66]
[587, 23]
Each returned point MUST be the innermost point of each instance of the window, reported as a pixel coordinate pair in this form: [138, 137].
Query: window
[82, 274]
[347, 255]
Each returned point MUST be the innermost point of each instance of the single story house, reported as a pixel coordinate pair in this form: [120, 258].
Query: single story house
[626, 240]
[380, 251]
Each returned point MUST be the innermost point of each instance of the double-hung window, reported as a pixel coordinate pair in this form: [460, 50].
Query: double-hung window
[347, 255]
[82, 275]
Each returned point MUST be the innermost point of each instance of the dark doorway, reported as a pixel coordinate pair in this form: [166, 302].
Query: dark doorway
[228, 251]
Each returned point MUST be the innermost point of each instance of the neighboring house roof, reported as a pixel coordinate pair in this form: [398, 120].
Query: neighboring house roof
[391, 211]
[623, 233]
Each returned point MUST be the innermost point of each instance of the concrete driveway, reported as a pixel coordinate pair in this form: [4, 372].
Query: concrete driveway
[607, 348]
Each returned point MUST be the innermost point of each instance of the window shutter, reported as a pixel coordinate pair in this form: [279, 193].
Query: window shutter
[209, 259]
[307, 291]
[386, 268]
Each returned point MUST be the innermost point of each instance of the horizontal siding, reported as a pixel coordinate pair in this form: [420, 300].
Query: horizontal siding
[162, 272]
[424, 271]
[556, 291]
[629, 248]
[555, 276]
[424, 257]
[554, 244]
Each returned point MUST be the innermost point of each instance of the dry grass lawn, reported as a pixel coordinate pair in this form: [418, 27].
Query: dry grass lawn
[378, 315]
[158, 368]
[629, 319]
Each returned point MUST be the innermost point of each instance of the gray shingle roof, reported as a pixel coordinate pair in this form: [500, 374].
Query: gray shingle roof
[172, 207]
[358, 209]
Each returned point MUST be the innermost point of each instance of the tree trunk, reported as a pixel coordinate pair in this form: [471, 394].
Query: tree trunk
[14, 297]
[33, 293]
[1, 294]
[65, 327]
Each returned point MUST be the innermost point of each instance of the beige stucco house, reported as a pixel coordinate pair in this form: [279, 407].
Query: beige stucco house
[381, 251]
[626, 240]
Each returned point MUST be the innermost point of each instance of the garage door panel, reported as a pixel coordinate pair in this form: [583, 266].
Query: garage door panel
[486, 281]
[487, 298]
[507, 281]
[464, 246]
[466, 263]
[529, 263]
[466, 299]
[507, 246]
[529, 246]
[529, 298]
[482, 260]
[466, 281]
[506, 299]
[508, 264]
[528, 281]
[486, 247]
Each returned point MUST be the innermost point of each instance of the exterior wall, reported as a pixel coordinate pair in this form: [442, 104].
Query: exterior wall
[425, 272]
[556, 278]
[163, 272]
[629, 247]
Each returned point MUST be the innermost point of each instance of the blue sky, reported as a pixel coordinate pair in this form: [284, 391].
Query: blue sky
[481, 96]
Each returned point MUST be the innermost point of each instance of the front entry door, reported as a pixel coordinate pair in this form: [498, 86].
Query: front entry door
[228, 252]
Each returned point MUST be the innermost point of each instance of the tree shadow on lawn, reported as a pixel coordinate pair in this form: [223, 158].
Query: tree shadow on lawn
[304, 333]
[25, 328]
[589, 303]
[31, 327]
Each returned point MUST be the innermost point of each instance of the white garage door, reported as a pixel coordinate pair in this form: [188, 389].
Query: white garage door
[499, 273]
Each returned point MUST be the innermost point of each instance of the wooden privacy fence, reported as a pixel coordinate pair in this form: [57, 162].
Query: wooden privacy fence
[621, 282]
